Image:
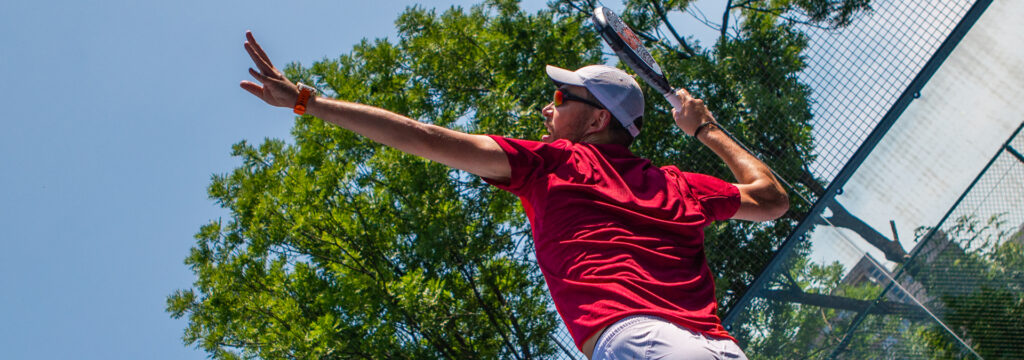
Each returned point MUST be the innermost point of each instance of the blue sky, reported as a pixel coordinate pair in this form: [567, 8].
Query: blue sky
[114, 116]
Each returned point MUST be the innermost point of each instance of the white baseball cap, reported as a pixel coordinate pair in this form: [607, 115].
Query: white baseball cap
[614, 88]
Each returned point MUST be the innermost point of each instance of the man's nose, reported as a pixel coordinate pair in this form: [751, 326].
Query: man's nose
[548, 110]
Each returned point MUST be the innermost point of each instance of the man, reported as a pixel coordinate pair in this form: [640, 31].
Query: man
[619, 241]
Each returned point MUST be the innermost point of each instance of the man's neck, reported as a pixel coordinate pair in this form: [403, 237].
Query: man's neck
[600, 138]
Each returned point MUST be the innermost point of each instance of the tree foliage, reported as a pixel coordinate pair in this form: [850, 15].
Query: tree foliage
[968, 276]
[336, 247]
[976, 285]
[750, 83]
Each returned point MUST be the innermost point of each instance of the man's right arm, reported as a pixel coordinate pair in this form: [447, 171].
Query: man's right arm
[762, 197]
[477, 154]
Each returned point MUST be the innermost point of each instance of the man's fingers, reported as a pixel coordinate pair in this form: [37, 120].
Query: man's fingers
[683, 93]
[264, 66]
[257, 48]
[253, 88]
[686, 98]
[257, 75]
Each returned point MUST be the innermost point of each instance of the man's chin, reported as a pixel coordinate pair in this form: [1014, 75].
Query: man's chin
[547, 138]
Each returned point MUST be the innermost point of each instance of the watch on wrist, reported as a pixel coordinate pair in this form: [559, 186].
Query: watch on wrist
[305, 93]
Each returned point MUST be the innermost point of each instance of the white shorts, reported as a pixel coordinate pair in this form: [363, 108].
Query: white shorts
[651, 337]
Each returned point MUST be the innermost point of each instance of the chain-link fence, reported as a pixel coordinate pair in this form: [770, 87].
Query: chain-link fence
[958, 290]
[858, 73]
[960, 294]
[861, 79]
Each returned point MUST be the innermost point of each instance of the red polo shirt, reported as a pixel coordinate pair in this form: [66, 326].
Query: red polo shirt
[616, 236]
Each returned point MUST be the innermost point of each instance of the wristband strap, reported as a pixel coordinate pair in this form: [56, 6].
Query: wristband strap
[305, 92]
[702, 126]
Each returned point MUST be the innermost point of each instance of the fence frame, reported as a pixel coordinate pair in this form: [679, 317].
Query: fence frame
[927, 238]
[834, 188]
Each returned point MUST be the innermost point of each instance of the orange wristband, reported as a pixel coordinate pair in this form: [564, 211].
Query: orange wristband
[305, 92]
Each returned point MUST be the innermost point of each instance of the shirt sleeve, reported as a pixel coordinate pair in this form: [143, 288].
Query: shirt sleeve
[718, 199]
[529, 161]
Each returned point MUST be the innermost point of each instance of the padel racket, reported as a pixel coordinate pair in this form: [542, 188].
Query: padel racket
[632, 52]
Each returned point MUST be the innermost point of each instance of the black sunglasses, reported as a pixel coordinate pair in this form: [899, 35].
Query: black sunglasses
[563, 96]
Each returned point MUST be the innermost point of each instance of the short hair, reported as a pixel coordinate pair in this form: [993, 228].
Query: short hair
[619, 133]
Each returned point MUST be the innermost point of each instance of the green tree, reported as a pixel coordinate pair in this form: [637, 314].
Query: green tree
[749, 79]
[339, 248]
[799, 330]
[336, 247]
[969, 276]
[975, 282]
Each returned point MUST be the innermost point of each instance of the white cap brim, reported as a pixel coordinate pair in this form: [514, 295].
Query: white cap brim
[563, 76]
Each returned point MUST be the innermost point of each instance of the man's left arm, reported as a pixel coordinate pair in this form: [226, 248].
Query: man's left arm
[476, 154]
[762, 197]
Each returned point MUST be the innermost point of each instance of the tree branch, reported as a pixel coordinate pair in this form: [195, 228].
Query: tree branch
[488, 310]
[655, 40]
[842, 218]
[845, 303]
[807, 179]
[361, 266]
[516, 330]
[780, 12]
[664, 20]
[742, 4]
[365, 225]
[725, 20]
[573, 5]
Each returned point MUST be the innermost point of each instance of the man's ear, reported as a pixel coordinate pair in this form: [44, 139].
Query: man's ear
[601, 121]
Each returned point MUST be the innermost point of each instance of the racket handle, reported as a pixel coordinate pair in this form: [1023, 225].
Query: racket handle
[673, 99]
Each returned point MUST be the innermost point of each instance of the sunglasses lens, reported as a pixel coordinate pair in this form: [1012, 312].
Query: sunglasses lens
[558, 98]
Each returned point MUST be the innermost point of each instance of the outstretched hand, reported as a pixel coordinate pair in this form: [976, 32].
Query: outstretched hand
[274, 88]
[691, 114]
